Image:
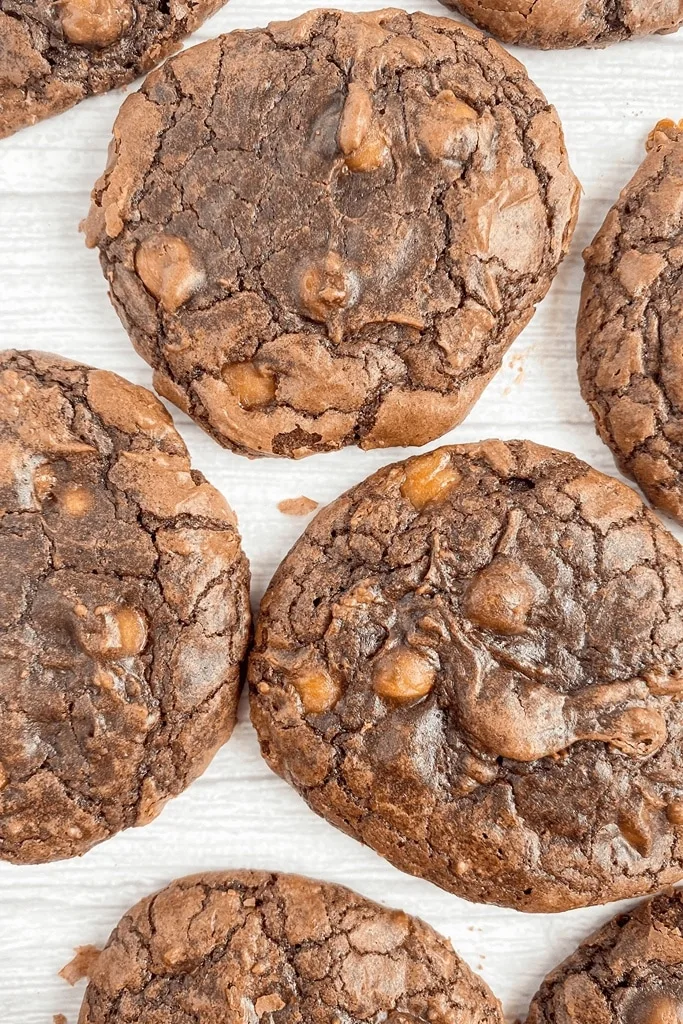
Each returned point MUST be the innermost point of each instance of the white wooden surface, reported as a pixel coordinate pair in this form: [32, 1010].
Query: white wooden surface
[52, 296]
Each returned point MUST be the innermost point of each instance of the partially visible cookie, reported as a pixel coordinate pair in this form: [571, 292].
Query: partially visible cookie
[629, 972]
[473, 662]
[55, 53]
[329, 231]
[630, 327]
[251, 946]
[561, 24]
[124, 609]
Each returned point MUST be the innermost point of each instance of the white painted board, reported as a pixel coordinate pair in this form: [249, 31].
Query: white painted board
[52, 296]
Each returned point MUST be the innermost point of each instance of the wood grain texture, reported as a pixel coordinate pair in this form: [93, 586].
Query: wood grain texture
[52, 296]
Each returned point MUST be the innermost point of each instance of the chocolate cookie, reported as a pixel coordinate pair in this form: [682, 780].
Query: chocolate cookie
[124, 609]
[250, 946]
[630, 329]
[329, 231]
[561, 24]
[55, 53]
[473, 662]
[629, 972]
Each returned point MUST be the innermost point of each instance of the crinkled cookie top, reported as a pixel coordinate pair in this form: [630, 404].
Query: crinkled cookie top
[329, 231]
[630, 972]
[630, 329]
[54, 53]
[250, 946]
[124, 609]
[559, 24]
[473, 662]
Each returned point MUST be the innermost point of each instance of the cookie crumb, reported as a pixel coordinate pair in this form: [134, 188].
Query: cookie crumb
[268, 1004]
[81, 965]
[302, 506]
[59, 1018]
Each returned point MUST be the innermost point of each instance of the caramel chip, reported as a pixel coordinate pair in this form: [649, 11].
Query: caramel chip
[325, 287]
[403, 675]
[253, 386]
[356, 118]
[168, 269]
[429, 478]
[96, 23]
[113, 633]
[500, 597]
[319, 692]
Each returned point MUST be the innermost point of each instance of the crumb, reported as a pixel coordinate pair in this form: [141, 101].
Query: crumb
[302, 506]
[81, 965]
[516, 363]
[59, 1018]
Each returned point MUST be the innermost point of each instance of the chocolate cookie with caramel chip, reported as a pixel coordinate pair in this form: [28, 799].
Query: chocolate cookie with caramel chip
[54, 53]
[250, 946]
[124, 609]
[328, 232]
[629, 972]
[630, 326]
[473, 662]
[561, 24]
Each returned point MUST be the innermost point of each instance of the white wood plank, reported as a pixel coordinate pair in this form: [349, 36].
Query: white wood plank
[53, 296]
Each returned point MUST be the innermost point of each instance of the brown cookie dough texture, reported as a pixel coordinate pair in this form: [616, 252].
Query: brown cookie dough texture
[473, 662]
[630, 328]
[54, 53]
[124, 609]
[561, 24]
[250, 946]
[629, 972]
[328, 232]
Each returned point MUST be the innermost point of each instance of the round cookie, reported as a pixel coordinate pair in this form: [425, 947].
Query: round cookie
[55, 53]
[562, 24]
[629, 972]
[124, 609]
[249, 946]
[630, 327]
[328, 232]
[473, 662]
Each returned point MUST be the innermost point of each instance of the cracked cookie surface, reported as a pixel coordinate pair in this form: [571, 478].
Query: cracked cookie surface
[629, 972]
[55, 53]
[630, 327]
[472, 662]
[124, 609]
[249, 946]
[561, 24]
[329, 231]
